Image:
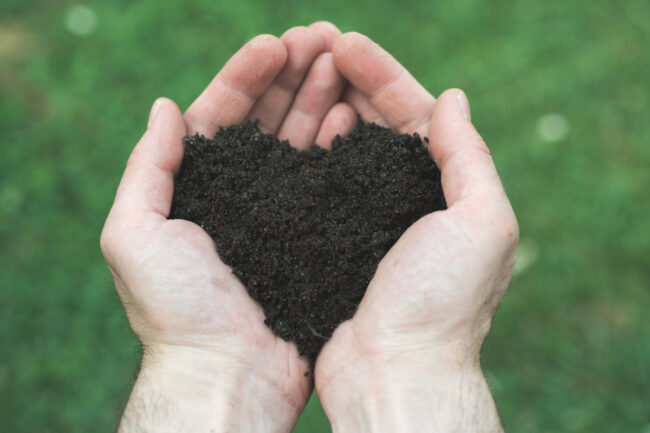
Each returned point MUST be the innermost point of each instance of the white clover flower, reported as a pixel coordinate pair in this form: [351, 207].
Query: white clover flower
[552, 127]
[80, 20]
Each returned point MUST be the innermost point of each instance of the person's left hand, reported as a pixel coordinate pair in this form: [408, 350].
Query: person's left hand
[408, 360]
[210, 362]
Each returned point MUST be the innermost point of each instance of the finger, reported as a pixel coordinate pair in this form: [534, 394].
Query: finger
[320, 91]
[396, 95]
[363, 106]
[340, 120]
[232, 93]
[303, 45]
[328, 33]
[468, 172]
[147, 185]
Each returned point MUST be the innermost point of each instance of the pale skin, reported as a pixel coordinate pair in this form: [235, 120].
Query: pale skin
[409, 358]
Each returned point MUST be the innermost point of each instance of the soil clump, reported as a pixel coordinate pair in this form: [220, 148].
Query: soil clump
[305, 231]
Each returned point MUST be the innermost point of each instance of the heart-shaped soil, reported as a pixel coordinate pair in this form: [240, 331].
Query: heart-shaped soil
[304, 231]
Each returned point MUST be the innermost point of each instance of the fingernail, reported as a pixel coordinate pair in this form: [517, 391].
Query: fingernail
[463, 103]
[154, 111]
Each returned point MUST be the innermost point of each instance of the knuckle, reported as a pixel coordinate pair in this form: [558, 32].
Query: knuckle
[509, 229]
[475, 141]
[323, 23]
[135, 156]
[499, 230]
[514, 227]
[506, 234]
[296, 32]
[113, 237]
[106, 242]
[325, 27]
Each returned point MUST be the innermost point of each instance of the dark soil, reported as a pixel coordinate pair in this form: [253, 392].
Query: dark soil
[304, 231]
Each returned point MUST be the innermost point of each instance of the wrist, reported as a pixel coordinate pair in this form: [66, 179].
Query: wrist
[441, 389]
[205, 391]
[396, 399]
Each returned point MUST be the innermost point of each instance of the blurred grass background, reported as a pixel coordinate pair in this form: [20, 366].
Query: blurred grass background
[559, 90]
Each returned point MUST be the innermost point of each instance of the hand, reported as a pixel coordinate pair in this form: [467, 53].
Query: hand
[209, 361]
[409, 358]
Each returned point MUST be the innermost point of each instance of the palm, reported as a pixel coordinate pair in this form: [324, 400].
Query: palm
[176, 290]
[196, 300]
[417, 296]
[423, 264]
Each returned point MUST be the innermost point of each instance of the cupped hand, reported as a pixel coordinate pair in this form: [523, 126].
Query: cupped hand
[412, 348]
[195, 319]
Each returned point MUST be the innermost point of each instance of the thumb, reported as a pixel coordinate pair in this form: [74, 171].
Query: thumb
[145, 191]
[148, 181]
[468, 171]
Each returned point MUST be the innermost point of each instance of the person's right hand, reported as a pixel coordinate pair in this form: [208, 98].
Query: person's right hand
[210, 363]
[409, 358]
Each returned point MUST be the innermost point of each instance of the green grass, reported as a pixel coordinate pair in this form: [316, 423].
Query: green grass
[570, 346]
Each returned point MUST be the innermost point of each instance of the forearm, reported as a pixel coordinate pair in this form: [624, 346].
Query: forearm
[412, 400]
[182, 392]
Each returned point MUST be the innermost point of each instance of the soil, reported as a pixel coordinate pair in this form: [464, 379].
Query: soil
[305, 231]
